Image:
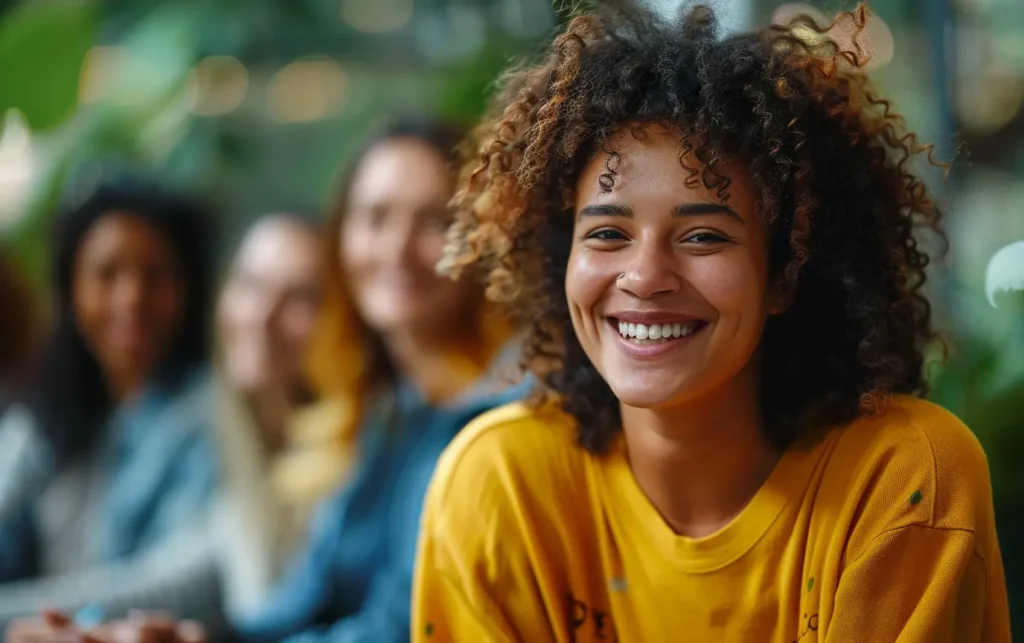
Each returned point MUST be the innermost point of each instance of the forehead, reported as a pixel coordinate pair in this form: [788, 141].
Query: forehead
[279, 247]
[122, 232]
[647, 163]
[400, 170]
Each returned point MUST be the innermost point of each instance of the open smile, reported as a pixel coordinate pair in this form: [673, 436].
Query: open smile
[654, 339]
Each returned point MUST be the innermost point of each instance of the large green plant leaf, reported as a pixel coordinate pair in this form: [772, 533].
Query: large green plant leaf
[42, 47]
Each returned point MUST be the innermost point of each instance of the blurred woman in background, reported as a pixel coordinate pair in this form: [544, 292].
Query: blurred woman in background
[280, 443]
[105, 474]
[415, 356]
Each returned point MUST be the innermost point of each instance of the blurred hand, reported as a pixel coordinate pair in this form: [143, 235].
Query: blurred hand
[139, 627]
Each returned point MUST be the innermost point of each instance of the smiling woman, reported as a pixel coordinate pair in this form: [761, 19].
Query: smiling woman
[107, 469]
[716, 243]
[651, 255]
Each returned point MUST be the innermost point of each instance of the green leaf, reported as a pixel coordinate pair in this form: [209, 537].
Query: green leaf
[42, 47]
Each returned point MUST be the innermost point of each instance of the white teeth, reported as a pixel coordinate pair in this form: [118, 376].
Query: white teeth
[644, 332]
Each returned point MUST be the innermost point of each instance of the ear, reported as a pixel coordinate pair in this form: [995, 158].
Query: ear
[780, 295]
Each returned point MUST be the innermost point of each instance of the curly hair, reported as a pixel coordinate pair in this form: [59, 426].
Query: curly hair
[830, 164]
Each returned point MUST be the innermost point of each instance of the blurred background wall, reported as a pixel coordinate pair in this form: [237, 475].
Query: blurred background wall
[257, 103]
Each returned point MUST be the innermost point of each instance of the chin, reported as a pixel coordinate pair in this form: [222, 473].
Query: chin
[636, 395]
[389, 320]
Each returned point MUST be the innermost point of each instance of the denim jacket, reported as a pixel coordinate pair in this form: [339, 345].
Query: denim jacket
[158, 472]
[353, 580]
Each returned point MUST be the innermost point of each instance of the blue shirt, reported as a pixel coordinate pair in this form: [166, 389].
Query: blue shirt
[162, 468]
[158, 470]
[353, 580]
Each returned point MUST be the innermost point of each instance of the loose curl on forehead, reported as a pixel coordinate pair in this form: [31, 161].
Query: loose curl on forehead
[830, 168]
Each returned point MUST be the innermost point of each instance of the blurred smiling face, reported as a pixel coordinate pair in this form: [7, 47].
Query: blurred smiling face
[666, 285]
[393, 235]
[269, 305]
[128, 295]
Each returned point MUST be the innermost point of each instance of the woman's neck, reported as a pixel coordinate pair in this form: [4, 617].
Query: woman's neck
[439, 365]
[701, 463]
[271, 411]
[124, 386]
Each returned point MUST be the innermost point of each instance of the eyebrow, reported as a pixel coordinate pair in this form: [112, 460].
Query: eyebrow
[698, 209]
[605, 210]
[682, 210]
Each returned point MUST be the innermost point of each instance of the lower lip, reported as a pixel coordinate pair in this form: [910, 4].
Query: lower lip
[398, 282]
[127, 339]
[652, 350]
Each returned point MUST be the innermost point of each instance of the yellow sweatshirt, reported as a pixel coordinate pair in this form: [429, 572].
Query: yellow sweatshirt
[882, 532]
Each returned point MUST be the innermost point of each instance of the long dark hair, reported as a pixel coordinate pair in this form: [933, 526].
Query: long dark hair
[72, 400]
[17, 324]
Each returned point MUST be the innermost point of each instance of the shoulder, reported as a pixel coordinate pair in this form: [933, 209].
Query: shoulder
[25, 457]
[186, 409]
[22, 444]
[914, 435]
[511, 441]
[915, 463]
[196, 391]
[513, 456]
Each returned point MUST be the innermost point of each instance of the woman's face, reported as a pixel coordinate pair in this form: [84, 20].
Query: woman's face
[392, 238]
[666, 284]
[128, 296]
[269, 305]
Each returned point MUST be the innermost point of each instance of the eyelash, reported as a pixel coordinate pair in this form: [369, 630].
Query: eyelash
[715, 237]
[597, 234]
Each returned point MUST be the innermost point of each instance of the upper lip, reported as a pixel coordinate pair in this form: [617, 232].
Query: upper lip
[648, 318]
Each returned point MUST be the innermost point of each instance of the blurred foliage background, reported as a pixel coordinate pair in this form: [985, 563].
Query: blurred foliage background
[257, 103]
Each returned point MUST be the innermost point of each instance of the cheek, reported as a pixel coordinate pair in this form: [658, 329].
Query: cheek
[355, 249]
[587, 278]
[734, 286]
[89, 302]
[231, 311]
[297, 324]
[169, 303]
[430, 248]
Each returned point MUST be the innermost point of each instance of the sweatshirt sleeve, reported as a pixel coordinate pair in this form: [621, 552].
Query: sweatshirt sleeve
[443, 609]
[474, 579]
[920, 584]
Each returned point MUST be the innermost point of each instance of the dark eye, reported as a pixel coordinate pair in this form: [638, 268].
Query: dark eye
[706, 237]
[376, 216]
[107, 272]
[606, 234]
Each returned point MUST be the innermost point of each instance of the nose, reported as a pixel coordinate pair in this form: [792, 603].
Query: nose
[129, 292]
[650, 273]
[270, 313]
[400, 239]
